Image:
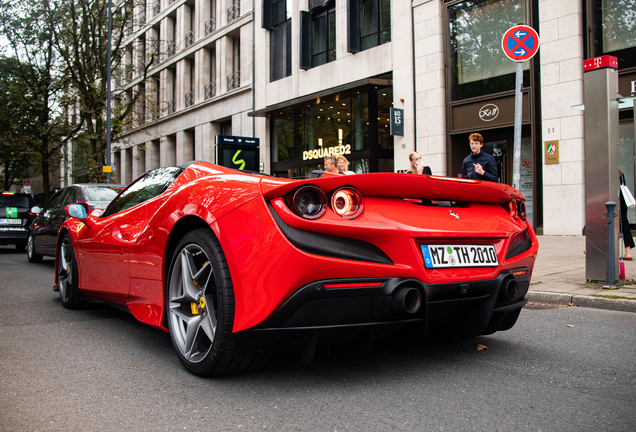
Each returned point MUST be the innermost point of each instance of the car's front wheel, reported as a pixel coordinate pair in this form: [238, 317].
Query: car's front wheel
[68, 275]
[200, 308]
[31, 255]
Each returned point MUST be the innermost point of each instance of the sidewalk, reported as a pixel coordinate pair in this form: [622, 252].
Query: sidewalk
[559, 277]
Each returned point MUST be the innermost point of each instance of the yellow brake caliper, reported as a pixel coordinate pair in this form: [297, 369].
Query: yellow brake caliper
[201, 304]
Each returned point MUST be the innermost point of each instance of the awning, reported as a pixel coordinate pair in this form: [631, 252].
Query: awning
[341, 92]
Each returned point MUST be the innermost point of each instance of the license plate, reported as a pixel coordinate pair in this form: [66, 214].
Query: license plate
[10, 221]
[453, 255]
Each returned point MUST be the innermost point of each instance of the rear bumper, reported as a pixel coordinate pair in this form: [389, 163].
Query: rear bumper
[319, 316]
[13, 235]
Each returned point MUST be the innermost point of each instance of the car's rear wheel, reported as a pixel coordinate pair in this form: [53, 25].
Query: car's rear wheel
[31, 255]
[67, 275]
[200, 308]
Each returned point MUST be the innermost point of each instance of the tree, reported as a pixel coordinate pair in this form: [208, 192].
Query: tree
[16, 124]
[28, 27]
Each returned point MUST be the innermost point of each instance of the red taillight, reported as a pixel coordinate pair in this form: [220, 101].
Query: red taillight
[512, 208]
[521, 210]
[347, 202]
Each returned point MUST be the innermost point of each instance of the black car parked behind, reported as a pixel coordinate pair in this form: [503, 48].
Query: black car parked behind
[15, 218]
[43, 230]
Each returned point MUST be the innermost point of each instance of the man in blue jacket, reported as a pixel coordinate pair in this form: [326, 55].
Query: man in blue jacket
[479, 165]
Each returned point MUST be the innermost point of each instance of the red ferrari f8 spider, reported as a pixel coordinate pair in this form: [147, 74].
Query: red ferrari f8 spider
[237, 266]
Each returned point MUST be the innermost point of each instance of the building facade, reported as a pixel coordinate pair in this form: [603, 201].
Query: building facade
[311, 78]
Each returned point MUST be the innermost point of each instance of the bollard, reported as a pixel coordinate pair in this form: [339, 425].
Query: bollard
[610, 275]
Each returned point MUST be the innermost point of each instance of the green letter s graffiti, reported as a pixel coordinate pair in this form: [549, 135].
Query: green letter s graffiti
[240, 161]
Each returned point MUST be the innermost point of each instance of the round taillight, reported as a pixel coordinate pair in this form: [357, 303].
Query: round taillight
[347, 203]
[512, 208]
[309, 202]
[521, 210]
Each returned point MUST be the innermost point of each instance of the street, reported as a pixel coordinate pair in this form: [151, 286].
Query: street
[558, 369]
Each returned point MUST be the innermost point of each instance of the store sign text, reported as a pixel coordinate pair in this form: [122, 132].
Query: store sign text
[329, 151]
[489, 112]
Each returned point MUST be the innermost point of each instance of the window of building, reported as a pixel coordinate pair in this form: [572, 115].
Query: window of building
[612, 24]
[323, 32]
[277, 18]
[375, 23]
[478, 66]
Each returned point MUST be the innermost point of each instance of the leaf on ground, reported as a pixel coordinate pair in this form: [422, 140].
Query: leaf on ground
[570, 304]
[570, 325]
[481, 347]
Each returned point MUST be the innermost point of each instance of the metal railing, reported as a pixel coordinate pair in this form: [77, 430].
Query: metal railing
[171, 48]
[233, 81]
[189, 99]
[189, 39]
[210, 26]
[156, 9]
[154, 112]
[171, 107]
[234, 11]
[210, 91]
[142, 18]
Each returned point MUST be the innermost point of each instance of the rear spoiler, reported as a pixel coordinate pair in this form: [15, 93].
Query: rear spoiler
[399, 185]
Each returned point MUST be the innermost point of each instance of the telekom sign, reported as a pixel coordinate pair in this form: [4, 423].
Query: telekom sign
[606, 61]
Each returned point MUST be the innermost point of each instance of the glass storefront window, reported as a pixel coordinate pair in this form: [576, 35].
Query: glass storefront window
[626, 158]
[478, 63]
[339, 124]
[619, 24]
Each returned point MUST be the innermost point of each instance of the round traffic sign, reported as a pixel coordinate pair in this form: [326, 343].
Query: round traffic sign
[26, 182]
[520, 43]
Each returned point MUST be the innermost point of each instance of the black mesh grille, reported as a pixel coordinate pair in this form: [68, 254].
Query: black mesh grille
[331, 246]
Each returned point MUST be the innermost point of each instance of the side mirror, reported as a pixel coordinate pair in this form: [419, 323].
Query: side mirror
[35, 211]
[79, 211]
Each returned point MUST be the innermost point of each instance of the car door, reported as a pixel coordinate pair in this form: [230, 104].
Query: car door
[56, 216]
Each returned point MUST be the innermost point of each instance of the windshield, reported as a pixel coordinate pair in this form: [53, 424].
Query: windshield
[14, 201]
[100, 193]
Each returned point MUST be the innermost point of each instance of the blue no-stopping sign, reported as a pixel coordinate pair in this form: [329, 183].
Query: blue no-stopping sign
[520, 43]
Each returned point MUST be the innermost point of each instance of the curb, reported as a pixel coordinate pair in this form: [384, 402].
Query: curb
[582, 301]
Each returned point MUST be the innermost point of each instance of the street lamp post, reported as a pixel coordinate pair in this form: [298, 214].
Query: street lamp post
[108, 62]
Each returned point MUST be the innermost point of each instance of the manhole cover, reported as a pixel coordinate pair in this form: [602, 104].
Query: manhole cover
[540, 306]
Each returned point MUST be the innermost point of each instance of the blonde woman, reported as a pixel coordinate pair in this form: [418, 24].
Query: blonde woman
[343, 165]
[417, 167]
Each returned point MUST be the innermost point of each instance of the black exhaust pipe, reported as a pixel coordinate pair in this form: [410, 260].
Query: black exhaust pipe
[406, 300]
[509, 290]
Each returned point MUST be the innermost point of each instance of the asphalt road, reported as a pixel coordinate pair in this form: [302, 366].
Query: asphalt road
[100, 370]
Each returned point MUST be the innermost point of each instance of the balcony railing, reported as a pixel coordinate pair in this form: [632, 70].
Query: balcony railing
[234, 11]
[154, 112]
[189, 99]
[210, 26]
[233, 81]
[156, 9]
[210, 91]
[171, 1]
[189, 39]
[142, 18]
[171, 49]
[171, 107]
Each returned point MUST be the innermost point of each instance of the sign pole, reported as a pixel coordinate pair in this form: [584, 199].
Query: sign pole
[519, 43]
[516, 165]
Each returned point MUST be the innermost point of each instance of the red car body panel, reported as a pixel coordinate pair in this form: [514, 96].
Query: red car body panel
[124, 258]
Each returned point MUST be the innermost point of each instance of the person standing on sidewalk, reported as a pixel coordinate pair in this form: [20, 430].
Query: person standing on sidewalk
[628, 240]
[479, 165]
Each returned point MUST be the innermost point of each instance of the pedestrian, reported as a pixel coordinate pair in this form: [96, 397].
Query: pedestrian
[479, 165]
[628, 240]
[343, 165]
[330, 165]
[417, 167]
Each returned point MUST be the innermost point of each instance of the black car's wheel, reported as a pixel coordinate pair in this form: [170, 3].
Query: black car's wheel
[200, 308]
[31, 255]
[20, 247]
[67, 275]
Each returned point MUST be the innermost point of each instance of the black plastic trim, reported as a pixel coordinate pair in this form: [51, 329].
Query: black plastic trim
[519, 244]
[331, 246]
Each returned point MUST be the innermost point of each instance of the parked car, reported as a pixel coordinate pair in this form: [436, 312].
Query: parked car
[15, 218]
[237, 266]
[44, 227]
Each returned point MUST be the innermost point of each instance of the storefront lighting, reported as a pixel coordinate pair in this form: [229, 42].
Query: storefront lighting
[320, 142]
[339, 135]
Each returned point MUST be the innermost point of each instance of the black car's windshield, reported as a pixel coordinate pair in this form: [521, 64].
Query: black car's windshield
[152, 183]
[14, 201]
[100, 193]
